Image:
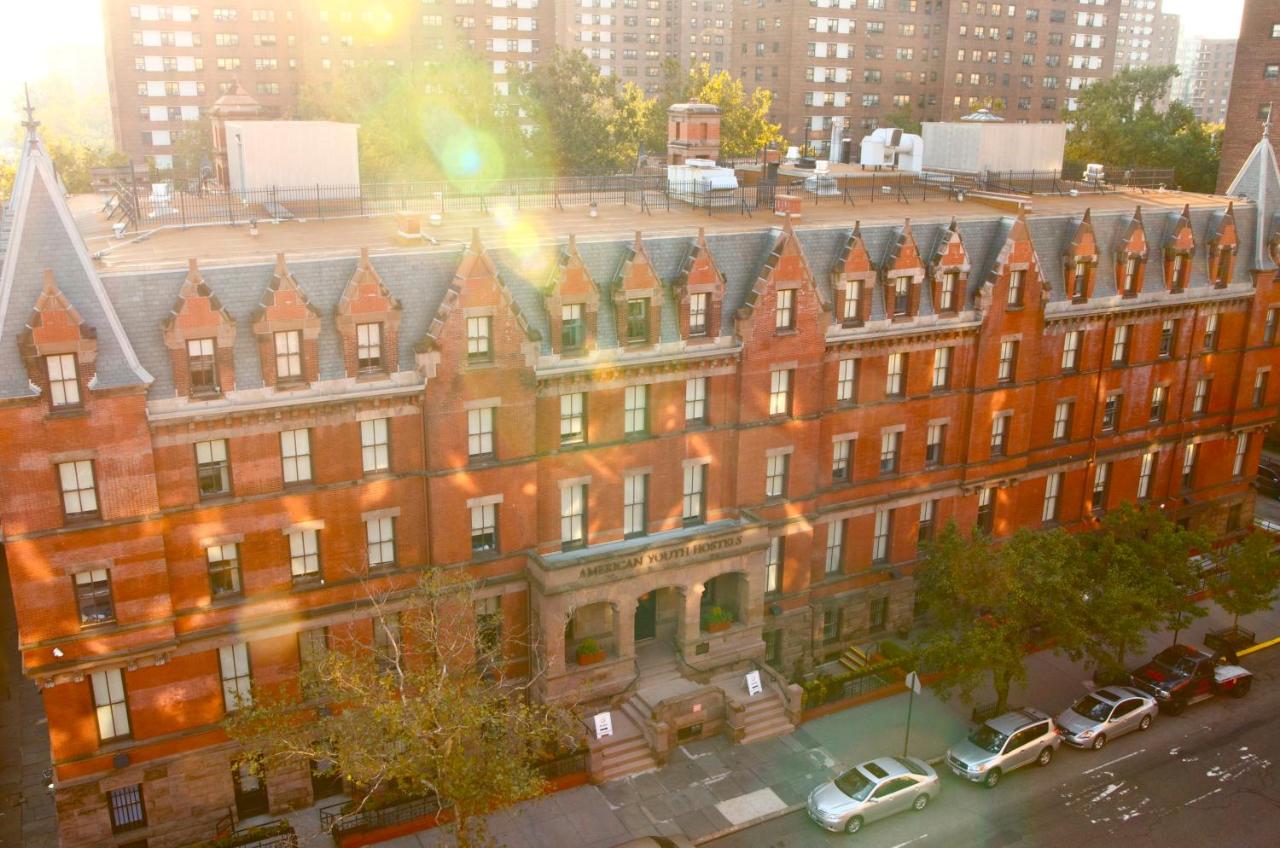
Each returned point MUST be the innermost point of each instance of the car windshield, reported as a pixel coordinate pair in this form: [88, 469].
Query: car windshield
[1180, 664]
[854, 784]
[1091, 708]
[988, 739]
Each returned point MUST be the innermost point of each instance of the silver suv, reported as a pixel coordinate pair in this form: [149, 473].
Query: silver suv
[1003, 744]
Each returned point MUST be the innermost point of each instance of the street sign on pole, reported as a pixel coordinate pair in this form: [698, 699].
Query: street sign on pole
[913, 682]
[913, 686]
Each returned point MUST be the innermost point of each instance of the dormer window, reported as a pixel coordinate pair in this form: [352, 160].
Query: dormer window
[1080, 282]
[202, 368]
[1179, 271]
[64, 380]
[1130, 284]
[901, 289]
[852, 303]
[1015, 288]
[1225, 257]
[573, 329]
[947, 286]
[288, 345]
[479, 333]
[785, 313]
[698, 304]
[638, 320]
[369, 347]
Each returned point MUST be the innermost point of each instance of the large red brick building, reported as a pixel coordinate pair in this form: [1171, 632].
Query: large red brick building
[1255, 85]
[205, 469]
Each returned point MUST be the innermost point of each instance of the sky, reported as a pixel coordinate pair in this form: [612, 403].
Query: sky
[1207, 18]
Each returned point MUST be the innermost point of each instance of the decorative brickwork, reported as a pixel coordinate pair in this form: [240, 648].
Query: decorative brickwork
[1080, 261]
[638, 296]
[288, 361]
[571, 285]
[700, 276]
[198, 315]
[55, 327]
[366, 301]
[853, 280]
[949, 270]
[904, 263]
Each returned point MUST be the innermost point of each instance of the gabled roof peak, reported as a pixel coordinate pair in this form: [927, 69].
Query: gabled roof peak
[1259, 180]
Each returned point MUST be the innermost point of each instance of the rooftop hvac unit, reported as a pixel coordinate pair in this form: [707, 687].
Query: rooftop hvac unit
[892, 148]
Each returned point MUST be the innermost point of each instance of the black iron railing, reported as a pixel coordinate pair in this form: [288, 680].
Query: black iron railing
[350, 817]
[273, 834]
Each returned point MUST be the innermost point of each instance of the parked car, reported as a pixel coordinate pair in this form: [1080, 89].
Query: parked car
[1104, 714]
[1268, 481]
[1003, 744]
[1182, 675]
[873, 790]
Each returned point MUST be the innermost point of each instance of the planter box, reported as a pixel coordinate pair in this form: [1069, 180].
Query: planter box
[591, 658]
[718, 626]
[1228, 637]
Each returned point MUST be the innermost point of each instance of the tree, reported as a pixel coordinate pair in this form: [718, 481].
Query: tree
[1250, 577]
[411, 713]
[193, 151]
[1117, 122]
[989, 603]
[575, 112]
[902, 119]
[8, 170]
[673, 89]
[745, 127]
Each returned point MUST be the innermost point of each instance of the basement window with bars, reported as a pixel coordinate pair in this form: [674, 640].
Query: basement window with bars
[128, 812]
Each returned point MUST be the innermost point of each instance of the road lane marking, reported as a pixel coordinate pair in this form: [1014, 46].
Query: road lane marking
[910, 841]
[1113, 762]
[1202, 797]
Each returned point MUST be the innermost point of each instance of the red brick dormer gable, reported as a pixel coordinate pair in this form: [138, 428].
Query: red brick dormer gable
[368, 313]
[784, 269]
[949, 269]
[1179, 250]
[55, 329]
[700, 283]
[1080, 261]
[1223, 244]
[853, 280]
[1131, 256]
[1015, 281]
[200, 335]
[637, 298]
[572, 289]
[904, 262]
[287, 327]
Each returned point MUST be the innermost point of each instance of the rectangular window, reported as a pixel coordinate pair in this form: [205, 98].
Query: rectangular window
[1211, 333]
[901, 290]
[1269, 329]
[369, 347]
[1168, 334]
[638, 320]
[1008, 361]
[233, 662]
[313, 646]
[852, 302]
[375, 452]
[573, 329]
[480, 432]
[1015, 288]
[1159, 403]
[694, 502]
[288, 355]
[928, 517]
[784, 316]
[841, 455]
[573, 418]
[695, 400]
[479, 339]
[1242, 450]
[128, 812]
[1189, 455]
[1079, 284]
[773, 557]
[573, 516]
[942, 368]
[635, 505]
[1200, 400]
[947, 287]
[1000, 434]
[986, 510]
[224, 570]
[110, 704]
[64, 383]
[1071, 351]
[1101, 483]
[1111, 413]
[1260, 388]
[1062, 419]
[847, 380]
[636, 412]
[895, 379]
[889, 450]
[882, 538]
[1146, 472]
[386, 642]
[93, 597]
[295, 455]
[830, 625]
[484, 528]
[935, 438]
[1052, 485]
[775, 478]
[304, 555]
[780, 392]
[698, 313]
[380, 539]
[835, 545]
[213, 471]
[1178, 275]
[1130, 287]
[1120, 345]
[202, 369]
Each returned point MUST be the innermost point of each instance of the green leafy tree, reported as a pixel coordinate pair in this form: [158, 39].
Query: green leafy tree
[193, 151]
[7, 172]
[904, 119]
[632, 117]
[411, 714]
[575, 113]
[745, 127]
[1118, 122]
[1250, 577]
[672, 90]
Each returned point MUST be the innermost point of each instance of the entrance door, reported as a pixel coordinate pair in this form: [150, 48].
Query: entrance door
[325, 780]
[646, 616]
[251, 793]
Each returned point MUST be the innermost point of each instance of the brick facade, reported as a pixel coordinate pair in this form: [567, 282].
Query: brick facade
[1255, 85]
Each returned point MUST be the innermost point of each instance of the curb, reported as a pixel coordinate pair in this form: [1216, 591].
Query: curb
[1253, 649]
[777, 814]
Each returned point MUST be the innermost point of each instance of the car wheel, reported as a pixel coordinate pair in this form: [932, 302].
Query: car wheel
[920, 803]
[1241, 689]
[853, 825]
[993, 777]
[1046, 757]
[1099, 742]
[1145, 724]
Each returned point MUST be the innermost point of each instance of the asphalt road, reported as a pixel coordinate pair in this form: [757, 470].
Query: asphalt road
[1205, 778]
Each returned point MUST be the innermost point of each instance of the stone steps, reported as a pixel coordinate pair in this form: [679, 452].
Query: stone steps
[626, 752]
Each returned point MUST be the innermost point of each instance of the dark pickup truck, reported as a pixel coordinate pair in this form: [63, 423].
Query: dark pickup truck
[1182, 675]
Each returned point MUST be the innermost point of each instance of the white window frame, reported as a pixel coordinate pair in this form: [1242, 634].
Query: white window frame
[635, 505]
[775, 476]
[1052, 487]
[784, 314]
[695, 400]
[64, 379]
[780, 391]
[942, 367]
[480, 440]
[573, 515]
[1071, 350]
[895, 375]
[304, 554]
[380, 541]
[693, 495]
[375, 445]
[479, 338]
[111, 704]
[846, 380]
[288, 347]
[573, 418]
[635, 410]
[295, 455]
[79, 488]
[236, 674]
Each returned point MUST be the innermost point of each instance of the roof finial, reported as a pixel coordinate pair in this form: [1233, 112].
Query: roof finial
[30, 123]
[1266, 124]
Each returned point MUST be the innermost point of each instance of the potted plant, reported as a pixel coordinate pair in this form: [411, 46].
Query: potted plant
[589, 651]
[718, 619]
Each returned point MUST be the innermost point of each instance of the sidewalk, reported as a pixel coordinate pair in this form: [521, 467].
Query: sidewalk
[712, 787]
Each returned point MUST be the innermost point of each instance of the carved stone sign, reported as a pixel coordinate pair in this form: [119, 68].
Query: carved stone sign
[660, 556]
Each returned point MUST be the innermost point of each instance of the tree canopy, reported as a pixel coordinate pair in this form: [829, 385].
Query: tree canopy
[1250, 576]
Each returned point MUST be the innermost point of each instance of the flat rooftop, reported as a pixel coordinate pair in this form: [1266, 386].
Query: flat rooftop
[221, 244]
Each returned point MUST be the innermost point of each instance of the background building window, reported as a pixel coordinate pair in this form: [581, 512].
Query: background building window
[1052, 485]
[695, 400]
[784, 316]
[573, 330]
[479, 331]
[1008, 361]
[882, 539]
[484, 528]
[846, 380]
[773, 557]
[573, 516]
[835, 547]
[288, 355]
[775, 478]
[780, 392]
[573, 418]
[1145, 473]
[480, 431]
[698, 314]
[202, 367]
[895, 375]
[942, 368]
[928, 518]
[841, 454]
[694, 502]
[636, 411]
[638, 320]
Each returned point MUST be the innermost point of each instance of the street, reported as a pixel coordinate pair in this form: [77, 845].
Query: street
[1202, 778]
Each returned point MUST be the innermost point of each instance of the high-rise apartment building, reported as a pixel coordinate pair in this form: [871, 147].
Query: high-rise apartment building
[1255, 84]
[1146, 36]
[1205, 83]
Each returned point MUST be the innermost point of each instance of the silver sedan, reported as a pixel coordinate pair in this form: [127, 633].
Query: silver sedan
[1104, 714]
[873, 790]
